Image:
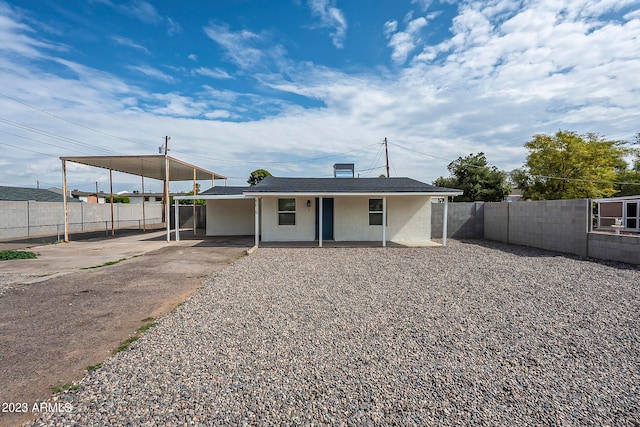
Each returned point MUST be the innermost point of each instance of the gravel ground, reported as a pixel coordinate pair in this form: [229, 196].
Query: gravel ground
[473, 334]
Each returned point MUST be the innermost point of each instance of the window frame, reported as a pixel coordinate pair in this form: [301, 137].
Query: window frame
[376, 212]
[287, 212]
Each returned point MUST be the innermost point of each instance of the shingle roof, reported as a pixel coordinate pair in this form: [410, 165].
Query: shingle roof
[24, 194]
[345, 185]
[226, 191]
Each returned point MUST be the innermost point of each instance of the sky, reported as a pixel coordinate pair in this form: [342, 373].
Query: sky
[294, 86]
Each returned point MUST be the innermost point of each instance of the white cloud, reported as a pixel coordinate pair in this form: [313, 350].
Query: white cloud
[331, 17]
[123, 41]
[173, 27]
[142, 10]
[505, 74]
[193, 57]
[239, 46]
[216, 73]
[403, 43]
[153, 73]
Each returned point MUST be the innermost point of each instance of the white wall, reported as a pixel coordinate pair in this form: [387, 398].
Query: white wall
[230, 217]
[409, 220]
[303, 231]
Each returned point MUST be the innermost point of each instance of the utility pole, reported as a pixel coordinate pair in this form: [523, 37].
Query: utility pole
[386, 150]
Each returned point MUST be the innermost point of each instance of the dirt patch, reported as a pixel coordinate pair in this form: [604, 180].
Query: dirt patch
[51, 331]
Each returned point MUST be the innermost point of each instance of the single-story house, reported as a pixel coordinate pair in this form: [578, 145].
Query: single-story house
[325, 209]
[626, 209]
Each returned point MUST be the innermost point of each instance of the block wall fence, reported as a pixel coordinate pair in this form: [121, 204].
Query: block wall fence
[26, 219]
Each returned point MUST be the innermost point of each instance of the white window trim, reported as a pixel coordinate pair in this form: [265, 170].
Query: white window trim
[294, 211]
[381, 211]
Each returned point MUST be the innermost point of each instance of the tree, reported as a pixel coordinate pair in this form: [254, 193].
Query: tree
[570, 166]
[198, 201]
[630, 175]
[257, 176]
[478, 180]
[118, 199]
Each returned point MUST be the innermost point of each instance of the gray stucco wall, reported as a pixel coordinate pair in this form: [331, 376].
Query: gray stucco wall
[465, 220]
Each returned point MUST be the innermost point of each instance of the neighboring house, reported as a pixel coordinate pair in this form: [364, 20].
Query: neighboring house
[16, 194]
[626, 209]
[87, 197]
[137, 197]
[320, 209]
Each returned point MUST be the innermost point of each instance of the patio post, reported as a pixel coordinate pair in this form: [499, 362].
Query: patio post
[384, 222]
[176, 219]
[320, 221]
[444, 221]
[257, 221]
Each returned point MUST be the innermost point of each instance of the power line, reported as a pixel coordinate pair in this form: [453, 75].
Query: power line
[53, 135]
[66, 120]
[26, 149]
[40, 142]
[311, 159]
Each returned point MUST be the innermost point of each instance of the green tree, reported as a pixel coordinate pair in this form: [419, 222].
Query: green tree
[630, 175]
[478, 180]
[198, 201]
[257, 176]
[570, 166]
[118, 199]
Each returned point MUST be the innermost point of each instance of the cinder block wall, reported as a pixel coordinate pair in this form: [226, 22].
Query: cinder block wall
[496, 221]
[465, 220]
[614, 247]
[557, 225]
[21, 219]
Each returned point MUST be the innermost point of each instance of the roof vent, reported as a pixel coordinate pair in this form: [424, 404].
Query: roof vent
[344, 170]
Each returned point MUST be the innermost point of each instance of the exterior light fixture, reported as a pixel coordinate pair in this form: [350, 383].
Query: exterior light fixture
[308, 203]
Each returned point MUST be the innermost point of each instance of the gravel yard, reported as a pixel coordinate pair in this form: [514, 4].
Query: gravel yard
[477, 333]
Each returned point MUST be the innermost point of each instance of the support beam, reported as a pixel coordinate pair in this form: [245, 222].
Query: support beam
[65, 203]
[144, 218]
[445, 216]
[167, 218]
[113, 230]
[257, 221]
[384, 222]
[177, 220]
[195, 222]
[320, 221]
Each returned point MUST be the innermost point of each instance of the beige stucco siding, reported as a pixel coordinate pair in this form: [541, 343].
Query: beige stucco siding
[230, 217]
[303, 231]
[408, 219]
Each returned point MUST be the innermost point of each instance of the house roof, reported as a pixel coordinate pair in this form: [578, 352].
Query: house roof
[23, 194]
[276, 185]
[225, 191]
[151, 166]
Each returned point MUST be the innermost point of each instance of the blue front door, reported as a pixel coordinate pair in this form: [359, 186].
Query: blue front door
[327, 218]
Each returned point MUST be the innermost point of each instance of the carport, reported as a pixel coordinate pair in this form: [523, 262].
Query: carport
[161, 167]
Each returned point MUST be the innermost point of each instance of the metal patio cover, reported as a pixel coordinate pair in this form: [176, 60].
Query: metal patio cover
[150, 166]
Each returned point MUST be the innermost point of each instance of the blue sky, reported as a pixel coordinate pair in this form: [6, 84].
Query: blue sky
[294, 86]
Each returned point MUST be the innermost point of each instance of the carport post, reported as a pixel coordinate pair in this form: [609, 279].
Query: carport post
[177, 219]
[113, 230]
[257, 221]
[166, 195]
[445, 216]
[64, 201]
[195, 188]
[384, 221]
[320, 220]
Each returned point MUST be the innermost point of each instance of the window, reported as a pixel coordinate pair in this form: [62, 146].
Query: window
[146, 198]
[158, 199]
[631, 215]
[375, 211]
[286, 211]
